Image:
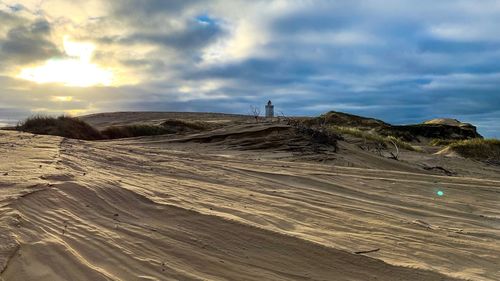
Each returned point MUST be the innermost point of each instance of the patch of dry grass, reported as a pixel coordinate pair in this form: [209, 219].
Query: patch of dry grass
[75, 128]
[441, 142]
[63, 126]
[170, 126]
[130, 131]
[371, 136]
[182, 125]
[479, 149]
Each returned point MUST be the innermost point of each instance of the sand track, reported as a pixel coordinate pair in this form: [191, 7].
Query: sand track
[122, 211]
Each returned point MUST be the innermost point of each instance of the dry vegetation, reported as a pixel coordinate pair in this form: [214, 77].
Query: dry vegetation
[75, 128]
[130, 131]
[479, 149]
[178, 125]
[62, 126]
[441, 142]
[371, 136]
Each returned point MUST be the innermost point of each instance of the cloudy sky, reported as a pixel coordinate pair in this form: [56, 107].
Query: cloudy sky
[403, 61]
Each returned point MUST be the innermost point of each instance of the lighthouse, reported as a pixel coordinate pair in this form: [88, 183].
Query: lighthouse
[269, 110]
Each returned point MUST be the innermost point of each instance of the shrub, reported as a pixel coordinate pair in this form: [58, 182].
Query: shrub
[75, 128]
[131, 131]
[318, 134]
[479, 149]
[63, 126]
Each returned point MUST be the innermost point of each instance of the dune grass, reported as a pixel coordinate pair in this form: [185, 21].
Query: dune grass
[441, 142]
[170, 126]
[71, 127]
[130, 131]
[371, 136]
[63, 126]
[183, 125]
[479, 149]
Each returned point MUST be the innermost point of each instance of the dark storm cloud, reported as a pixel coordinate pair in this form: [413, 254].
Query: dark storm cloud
[149, 15]
[16, 7]
[28, 43]
[7, 19]
[145, 8]
[263, 71]
[194, 36]
[149, 65]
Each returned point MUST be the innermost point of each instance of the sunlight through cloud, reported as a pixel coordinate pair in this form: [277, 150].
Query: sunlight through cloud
[76, 71]
[62, 98]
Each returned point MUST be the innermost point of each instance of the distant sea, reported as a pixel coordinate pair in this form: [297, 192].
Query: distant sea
[7, 122]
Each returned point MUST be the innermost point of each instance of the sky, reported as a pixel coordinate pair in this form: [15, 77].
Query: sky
[402, 61]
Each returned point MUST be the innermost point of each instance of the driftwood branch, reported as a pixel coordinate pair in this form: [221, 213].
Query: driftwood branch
[394, 156]
[368, 251]
[439, 168]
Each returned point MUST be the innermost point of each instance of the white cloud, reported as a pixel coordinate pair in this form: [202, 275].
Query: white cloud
[245, 40]
[463, 81]
[466, 32]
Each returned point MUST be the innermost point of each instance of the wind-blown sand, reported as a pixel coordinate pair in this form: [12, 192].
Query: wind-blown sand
[153, 209]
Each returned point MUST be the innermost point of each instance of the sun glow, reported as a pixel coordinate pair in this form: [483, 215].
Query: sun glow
[62, 98]
[75, 71]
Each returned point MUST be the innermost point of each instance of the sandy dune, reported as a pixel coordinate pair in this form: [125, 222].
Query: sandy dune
[103, 120]
[163, 209]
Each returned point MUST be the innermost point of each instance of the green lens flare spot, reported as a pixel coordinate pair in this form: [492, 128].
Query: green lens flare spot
[440, 193]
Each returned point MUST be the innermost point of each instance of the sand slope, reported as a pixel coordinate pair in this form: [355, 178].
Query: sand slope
[152, 209]
[103, 120]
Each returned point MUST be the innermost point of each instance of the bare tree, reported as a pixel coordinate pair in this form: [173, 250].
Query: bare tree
[255, 111]
[282, 116]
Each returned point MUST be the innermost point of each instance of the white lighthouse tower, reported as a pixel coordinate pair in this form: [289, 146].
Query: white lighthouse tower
[269, 110]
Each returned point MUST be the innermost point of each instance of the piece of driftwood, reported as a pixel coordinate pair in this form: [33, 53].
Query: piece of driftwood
[394, 156]
[439, 168]
[368, 251]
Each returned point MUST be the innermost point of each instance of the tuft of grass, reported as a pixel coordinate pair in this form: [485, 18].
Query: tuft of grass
[441, 142]
[63, 126]
[386, 140]
[478, 149]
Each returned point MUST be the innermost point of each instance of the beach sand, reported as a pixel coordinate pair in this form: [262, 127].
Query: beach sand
[153, 209]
